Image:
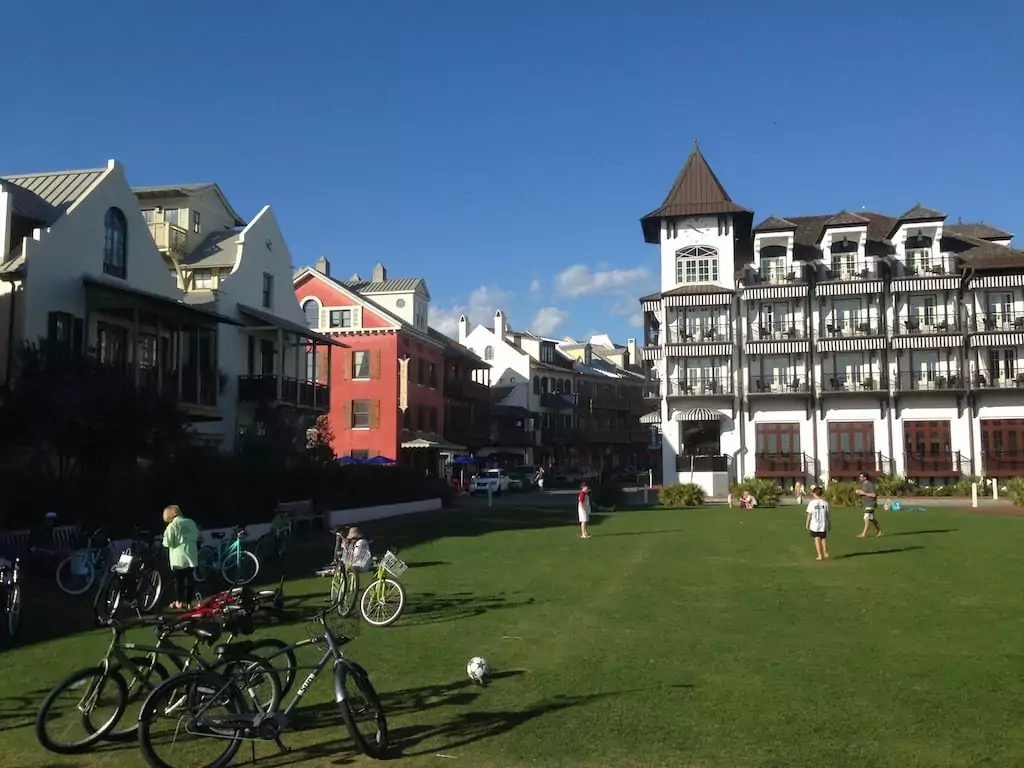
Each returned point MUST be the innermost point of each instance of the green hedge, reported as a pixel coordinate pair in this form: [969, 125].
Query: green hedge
[681, 495]
[766, 492]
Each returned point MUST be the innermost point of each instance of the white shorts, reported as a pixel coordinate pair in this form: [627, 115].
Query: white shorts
[869, 514]
[583, 514]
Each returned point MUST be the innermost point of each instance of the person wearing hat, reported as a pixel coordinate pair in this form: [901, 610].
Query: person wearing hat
[354, 548]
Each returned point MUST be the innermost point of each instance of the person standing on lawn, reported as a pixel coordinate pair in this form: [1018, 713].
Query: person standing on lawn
[181, 540]
[583, 510]
[869, 498]
[818, 523]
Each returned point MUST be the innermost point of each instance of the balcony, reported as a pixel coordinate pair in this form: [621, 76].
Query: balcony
[926, 265]
[560, 436]
[652, 389]
[700, 385]
[927, 323]
[606, 434]
[301, 394]
[982, 381]
[561, 401]
[946, 465]
[852, 325]
[1004, 463]
[789, 383]
[930, 378]
[701, 463]
[192, 391]
[169, 238]
[778, 274]
[794, 465]
[694, 333]
[850, 269]
[998, 322]
[847, 464]
[466, 389]
[605, 401]
[777, 330]
[866, 380]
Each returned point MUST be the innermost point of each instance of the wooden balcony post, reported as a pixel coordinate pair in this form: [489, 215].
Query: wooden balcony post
[279, 368]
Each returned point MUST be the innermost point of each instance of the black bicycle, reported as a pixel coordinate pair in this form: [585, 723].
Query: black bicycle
[134, 580]
[201, 718]
[10, 598]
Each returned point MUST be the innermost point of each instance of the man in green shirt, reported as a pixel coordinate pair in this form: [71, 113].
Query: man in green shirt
[181, 540]
[869, 498]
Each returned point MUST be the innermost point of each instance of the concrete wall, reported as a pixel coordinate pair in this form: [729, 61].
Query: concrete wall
[362, 515]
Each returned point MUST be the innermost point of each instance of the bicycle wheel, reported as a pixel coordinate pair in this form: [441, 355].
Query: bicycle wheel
[361, 710]
[196, 718]
[75, 574]
[382, 602]
[140, 682]
[240, 568]
[282, 653]
[96, 702]
[151, 584]
[257, 679]
[107, 601]
[207, 564]
[13, 610]
[337, 584]
[349, 594]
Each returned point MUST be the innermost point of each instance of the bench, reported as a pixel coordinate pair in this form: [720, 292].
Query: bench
[65, 537]
[302, 513]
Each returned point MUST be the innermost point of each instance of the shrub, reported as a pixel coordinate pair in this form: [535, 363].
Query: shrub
[963, 486]
[681, 495]
[1015, 490]
[765, 491]
[842, 494]
[892, 485]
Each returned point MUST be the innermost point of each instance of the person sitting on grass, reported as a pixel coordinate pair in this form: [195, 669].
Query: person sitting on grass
[354, 550]
[818, 522]
[747, 500]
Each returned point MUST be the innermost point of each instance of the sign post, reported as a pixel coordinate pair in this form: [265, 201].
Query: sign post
[974, 494]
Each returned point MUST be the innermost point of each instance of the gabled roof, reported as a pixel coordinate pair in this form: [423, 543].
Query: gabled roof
[58, 188]
[775, 224]
[395, 285]
[696, 192]
[30, 205]
[452, 348]
[214, 251]
[977, 253]
[187, 190]
[978, 229]
[846, 219]
[922, 213]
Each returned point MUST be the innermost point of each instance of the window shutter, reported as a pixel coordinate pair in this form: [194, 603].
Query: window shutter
[346, 364]
[346, 414]
[375, 364]
[357, 317]
[375, 414]
[324, 319]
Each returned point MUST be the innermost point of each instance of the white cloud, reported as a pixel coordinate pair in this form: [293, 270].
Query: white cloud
[636, 321]
[578, 280]
[479, 308]
[535, 287]
[548, 320]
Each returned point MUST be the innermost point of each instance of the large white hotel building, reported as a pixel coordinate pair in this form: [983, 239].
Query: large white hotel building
[814, 347]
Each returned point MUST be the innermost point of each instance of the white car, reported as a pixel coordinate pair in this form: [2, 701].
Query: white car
[494, 481]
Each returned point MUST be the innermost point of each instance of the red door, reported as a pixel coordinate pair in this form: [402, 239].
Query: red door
[1002, 447]
[851, 448]
[928, 449]
[777, 452]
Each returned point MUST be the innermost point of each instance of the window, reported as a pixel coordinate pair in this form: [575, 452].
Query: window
[112, 345]
[431, 376]
[115, 251]
[360, 364]
[919, 255]
[547, 352]
[844, 259]
[196, 225]
[361, 414]
[432, 414]
[697, 264]
[1002, 365]
[359, 453]
[421, 371]
[400, 303]
[311, 309]
[268, 290]
[723, 226]
[60, 329]
[171, 215]
[488, 352]
[202, 278]
[671, 229]
[341, 318]
[536, 385]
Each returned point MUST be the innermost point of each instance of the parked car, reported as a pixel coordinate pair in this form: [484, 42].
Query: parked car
[494, 481]
[529, 473]
[516, 482]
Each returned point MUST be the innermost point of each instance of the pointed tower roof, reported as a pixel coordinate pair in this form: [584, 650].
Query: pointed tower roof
[919, 213]
[696, 192]
[775, 224]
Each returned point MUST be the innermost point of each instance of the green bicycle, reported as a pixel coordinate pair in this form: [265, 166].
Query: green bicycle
[383, 600]
[235, 564]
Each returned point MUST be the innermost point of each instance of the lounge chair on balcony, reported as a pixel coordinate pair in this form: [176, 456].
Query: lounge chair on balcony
[832, 329]
[764, 333]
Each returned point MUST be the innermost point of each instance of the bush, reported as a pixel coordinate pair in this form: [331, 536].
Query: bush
[766, 492]
[892, 485]
[1015, 490]
[681, 495]
[842, 494]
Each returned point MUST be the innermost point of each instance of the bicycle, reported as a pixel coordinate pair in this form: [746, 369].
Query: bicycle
[10, 596]
[105, 685]
[235, 564]
[132, 580]
[274, 543]
[188, 699]
[76, 573]
[383, 600]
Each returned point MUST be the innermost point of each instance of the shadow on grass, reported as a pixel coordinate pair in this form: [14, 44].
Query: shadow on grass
[916, 533]
[19, 711]
[644, 533]
[881, 552]
[433, 608]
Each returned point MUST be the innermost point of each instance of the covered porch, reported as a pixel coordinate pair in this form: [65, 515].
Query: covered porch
[428, 452]
[697, 447]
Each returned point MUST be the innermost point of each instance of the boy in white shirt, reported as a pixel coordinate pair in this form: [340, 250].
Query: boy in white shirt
[818, 522]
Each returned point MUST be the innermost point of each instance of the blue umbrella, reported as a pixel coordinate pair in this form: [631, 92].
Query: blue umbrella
[346, 460]
[380, 460]
[466, 460]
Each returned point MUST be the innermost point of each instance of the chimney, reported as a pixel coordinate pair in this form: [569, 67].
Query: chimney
[500, 329]
[323, 266]
[463, 329]
[379, 273]
[6, 212]
[355, 278]
[588, 355]
[632, 357]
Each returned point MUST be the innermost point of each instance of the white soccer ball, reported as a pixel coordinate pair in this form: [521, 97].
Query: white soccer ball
[478, 669]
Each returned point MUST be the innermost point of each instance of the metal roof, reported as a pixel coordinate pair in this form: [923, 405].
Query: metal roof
[216, 250]
[29, 204]
[186, 190]
[59, 188]
[397, 285]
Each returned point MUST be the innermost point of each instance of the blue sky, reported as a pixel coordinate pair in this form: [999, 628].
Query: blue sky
[505, 151]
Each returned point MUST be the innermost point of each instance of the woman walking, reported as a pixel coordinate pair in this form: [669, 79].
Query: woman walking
[583, 510]
[181, 537]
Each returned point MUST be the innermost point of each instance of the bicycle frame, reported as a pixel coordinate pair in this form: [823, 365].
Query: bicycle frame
[225, 550]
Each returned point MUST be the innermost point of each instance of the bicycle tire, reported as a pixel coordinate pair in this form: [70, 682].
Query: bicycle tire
[72, 748]
[107, 601]
[349, 597]
[66, 562]
[207, 559]
[376, 746]
[242, 555]
[368, 599]
[238, 665]
[13, 608]
[149, 598]
[280, 648]
[137, 690]
[205, 678]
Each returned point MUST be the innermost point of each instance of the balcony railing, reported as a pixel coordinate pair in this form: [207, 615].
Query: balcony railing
[930, 266]
[856, 269]
[794, 465]
[853, 324]
[931, 379]
[605, 402]
[777, 330]
[464, 389]
[924, 323]
[995, 322]
[719, 331]
[1005, 463]
[937, 465]
[653, 389]
[859, 380]
[779, 384]
[303, 394]
[983, 381]
[604, 434]
[700, 385]
[852, 463]
[169, 238]
[702, 463]
[563, 401]
[778, 275]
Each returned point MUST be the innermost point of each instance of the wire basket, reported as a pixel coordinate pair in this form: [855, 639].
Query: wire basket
[343, 629]
[360, 560]
[393, 565]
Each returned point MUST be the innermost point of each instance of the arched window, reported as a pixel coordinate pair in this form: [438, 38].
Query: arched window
[115, 244]
[773, 263]
[544, 384]
[697, 264]
[536, 385]
[311, 309]
[488, 352]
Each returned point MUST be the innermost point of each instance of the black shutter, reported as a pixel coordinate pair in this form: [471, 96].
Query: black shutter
[77, 337]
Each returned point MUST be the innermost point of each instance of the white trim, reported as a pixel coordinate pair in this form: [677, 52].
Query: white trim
[1013, 339]
[654, 417]
[780, 347]
[849, 344]
[774, 292]
[925, 284]
[651, 305]
[698, 414]
[698, 350]
[698, 299]
[997, 281]
[848, 288]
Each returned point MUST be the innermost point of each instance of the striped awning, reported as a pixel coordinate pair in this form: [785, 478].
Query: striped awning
[774, 292]
[699, 350]
[654, 417]
[927, 341]
[849, 288]
[998, 281]
[697, 299]
[1015, 339]
[851, 344]
[779, 347]
[651, 305]
[698, 414]
[650, 353]
[925, 284]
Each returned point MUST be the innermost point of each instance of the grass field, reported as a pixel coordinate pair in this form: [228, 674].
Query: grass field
[681, 638]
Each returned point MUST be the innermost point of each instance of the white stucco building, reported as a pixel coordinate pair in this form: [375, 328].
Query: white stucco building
[815, 347]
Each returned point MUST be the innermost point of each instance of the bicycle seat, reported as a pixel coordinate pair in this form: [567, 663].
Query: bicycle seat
[217, 534]
[207, 631]
[235, 650]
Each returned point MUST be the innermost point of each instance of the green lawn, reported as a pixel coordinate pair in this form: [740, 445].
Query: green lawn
[680, 638]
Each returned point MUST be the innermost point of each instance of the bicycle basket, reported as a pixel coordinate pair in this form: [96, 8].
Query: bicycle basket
[393, 565]
[342, 629]
[124, 563]
[357, 560]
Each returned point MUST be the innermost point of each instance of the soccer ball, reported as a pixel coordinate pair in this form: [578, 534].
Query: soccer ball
[478, 669]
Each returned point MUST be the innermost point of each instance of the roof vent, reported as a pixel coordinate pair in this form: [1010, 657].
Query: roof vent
[379, 273]
[323, 266]
[355, 278]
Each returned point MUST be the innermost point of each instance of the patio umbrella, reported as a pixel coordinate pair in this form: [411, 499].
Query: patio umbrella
[379, 460]
[347, 460]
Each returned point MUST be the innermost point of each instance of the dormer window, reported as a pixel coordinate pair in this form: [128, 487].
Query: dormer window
[919, 254]
[547, 352]
[202, 279]
[697, 264]
[773, 263]
[844, 259]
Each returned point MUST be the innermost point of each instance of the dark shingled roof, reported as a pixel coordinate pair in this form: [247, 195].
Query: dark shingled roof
[696, 192]
[775, 224]
[846, 219]
[689, 288]
[978, 229]
[977, 253]
[922, 213]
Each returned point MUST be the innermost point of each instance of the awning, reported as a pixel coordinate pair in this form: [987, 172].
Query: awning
[698, 414]
[266, 318]
[439, 444]
[135, 295]
[654, 417]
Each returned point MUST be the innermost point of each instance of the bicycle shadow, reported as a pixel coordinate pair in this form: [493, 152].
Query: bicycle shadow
[434, 608]
[21, 708]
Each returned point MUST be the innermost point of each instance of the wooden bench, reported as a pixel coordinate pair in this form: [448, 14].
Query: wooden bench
[302, 513]
[65, 537]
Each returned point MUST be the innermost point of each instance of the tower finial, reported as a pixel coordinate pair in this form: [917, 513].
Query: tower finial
[696, 144]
